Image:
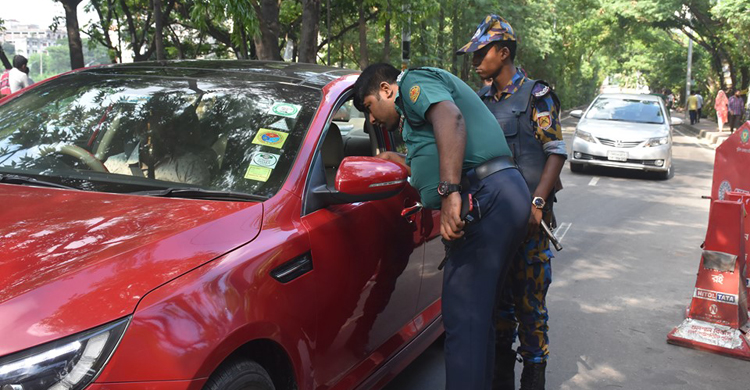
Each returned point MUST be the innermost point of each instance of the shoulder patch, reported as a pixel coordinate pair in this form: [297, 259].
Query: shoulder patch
[540, 90]
[544, 120]
[414, 93]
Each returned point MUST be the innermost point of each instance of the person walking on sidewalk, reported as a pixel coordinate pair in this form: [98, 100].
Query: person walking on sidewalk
[700, 106]
[528, 112]
[692, 106]
[736, 108]
[720, 105]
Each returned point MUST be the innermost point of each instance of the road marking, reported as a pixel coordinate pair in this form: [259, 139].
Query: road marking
[562, 230]
[693, 139]
[594, 180]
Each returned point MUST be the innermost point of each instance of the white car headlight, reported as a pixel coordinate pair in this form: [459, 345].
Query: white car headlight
[584, 136]
[656, 142]
[70, 363]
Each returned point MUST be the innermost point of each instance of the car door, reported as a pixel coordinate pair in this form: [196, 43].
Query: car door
[368, 262]
[428, 304]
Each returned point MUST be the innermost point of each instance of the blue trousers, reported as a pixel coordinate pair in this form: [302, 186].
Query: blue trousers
[476, 268]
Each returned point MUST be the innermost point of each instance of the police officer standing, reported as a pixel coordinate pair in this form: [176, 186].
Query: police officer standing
[528, 112]
[453, 152]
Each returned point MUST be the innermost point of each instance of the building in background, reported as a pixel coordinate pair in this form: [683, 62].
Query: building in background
[28, 39]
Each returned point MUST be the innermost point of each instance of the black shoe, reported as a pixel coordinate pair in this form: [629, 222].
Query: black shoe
[505, 370]
[532, 377]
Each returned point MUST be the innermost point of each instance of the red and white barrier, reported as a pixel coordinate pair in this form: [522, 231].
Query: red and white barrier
[717, 320]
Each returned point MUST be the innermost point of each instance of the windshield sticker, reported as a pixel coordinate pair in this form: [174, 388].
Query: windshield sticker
[257, 173]
[280, 125]
[286, 110]
[272, 138]
[263, 159]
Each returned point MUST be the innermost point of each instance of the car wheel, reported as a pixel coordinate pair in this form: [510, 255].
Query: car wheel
[666, 175]
[576, 167]
[239, 374]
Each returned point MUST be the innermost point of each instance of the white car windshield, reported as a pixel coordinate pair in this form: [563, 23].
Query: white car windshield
[626, 110]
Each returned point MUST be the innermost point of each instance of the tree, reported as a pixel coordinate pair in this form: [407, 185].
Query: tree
[3, 57]
[308, 46]
[74, 34]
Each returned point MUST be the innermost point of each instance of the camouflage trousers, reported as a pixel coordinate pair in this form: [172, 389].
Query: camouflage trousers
[521, 306]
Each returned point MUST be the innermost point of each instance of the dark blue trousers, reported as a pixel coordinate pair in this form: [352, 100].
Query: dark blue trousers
[476, 268]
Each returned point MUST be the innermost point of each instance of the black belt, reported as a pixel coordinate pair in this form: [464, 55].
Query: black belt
[487, 168]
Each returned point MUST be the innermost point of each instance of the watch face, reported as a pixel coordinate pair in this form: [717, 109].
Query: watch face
[539, 202]
[442, 188]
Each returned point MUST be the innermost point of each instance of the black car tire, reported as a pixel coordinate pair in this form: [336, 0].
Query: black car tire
[666, 175]
[576, 167]
[239, 374]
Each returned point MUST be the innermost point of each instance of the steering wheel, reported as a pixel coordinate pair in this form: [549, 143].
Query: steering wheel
[81, 154]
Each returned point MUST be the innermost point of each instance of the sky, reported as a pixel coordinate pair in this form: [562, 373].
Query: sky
[40, 12]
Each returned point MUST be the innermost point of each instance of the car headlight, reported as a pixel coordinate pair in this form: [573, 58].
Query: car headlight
[70, 363]
[584, 136]
[657, 142]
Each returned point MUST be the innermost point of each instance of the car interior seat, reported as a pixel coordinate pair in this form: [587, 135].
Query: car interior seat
[333, 153]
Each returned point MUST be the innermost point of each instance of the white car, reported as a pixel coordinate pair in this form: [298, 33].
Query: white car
[631, 131]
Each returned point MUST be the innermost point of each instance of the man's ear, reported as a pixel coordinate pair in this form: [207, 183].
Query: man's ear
[386, 88]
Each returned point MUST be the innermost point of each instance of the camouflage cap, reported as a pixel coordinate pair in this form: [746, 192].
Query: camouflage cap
[493, 28]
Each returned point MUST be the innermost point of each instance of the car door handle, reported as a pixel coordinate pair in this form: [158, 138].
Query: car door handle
[410, 212]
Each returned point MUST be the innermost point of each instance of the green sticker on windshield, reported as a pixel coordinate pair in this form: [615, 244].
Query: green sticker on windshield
[286, 110]
[257, 173]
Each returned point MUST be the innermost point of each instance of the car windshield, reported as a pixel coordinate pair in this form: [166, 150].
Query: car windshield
[135, 132]
[627, 110]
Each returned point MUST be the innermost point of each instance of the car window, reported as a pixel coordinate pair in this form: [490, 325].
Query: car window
[120, 133]
[627, 110]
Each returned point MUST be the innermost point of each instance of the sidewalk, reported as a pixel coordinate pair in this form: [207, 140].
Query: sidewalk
[707, 130]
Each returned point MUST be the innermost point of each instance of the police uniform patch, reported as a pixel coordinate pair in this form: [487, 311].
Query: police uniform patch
[544, 120]
[540, 90]
[414, 93]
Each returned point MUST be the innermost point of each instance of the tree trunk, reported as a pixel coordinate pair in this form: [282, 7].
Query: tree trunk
[387, 35]
[455, 30]
[158, 34]
[308, 43]
[74, 33]
[745, 73]
[4, 58]
[267, 44]
[363, 54]
[441, 33]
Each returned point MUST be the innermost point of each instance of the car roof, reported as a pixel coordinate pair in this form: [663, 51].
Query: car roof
[640, 96]
[248, 70]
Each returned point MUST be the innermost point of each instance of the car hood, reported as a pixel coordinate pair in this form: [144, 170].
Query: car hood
[624, 131]
[72, 260]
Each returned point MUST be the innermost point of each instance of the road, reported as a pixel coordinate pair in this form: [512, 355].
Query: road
[623, 281]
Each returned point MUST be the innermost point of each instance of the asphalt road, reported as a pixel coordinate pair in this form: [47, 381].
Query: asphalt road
[623, 281]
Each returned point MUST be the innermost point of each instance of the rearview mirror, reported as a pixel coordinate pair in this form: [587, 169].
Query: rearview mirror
[676, 121]
[361, 179]
[576, 113]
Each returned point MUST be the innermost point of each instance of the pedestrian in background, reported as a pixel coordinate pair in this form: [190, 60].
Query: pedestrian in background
[700, 106]
[720, 105]
[692, 106]
[736, 108]
[529, 113]
[670, 99]
[454, 153]
[18, 77]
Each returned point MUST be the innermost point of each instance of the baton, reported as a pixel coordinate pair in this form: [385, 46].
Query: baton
[551, 236]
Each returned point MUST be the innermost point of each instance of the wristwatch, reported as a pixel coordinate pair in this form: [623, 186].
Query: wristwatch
[538, 202]
[444, 188]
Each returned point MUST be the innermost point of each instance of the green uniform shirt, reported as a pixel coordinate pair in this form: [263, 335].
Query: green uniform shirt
[421, 88]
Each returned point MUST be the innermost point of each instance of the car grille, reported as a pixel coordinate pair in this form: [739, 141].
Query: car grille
[619, 144]
[650, 163]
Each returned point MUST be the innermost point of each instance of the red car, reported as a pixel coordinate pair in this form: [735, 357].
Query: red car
[207, 225]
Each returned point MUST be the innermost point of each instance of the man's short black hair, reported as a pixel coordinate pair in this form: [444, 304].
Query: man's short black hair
[19, 61]
[511, 45]
[369, 81]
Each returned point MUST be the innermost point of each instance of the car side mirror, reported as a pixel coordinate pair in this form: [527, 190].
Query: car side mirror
[361, 179]
[576, 113]
[676, 121]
